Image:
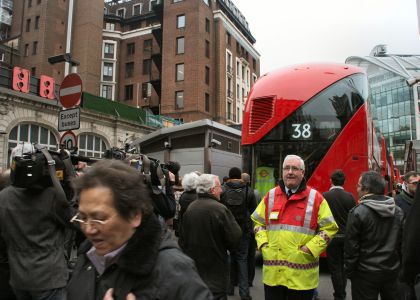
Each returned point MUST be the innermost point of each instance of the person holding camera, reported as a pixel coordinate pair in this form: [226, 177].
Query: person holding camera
[32, 233]
[126, 248]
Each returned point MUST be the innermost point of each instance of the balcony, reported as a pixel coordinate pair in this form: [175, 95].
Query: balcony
[157, 33]
[157, 58]
[156, 82]
[157, 7]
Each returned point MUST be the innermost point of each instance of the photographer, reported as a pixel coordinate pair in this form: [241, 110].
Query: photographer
[32, 226]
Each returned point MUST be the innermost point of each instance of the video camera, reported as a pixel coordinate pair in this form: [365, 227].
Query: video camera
[29, 166]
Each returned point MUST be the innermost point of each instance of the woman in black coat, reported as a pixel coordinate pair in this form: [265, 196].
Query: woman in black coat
[125, 248]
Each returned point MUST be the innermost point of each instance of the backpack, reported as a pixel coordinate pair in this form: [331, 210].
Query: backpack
[237, 202]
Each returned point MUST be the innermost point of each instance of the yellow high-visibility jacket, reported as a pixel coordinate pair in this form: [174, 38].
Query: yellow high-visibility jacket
[285, 225]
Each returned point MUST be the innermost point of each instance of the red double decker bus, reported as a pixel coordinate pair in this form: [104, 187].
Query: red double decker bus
[317, 111]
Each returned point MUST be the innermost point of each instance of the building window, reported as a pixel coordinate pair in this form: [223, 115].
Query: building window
[229, 62]
[29, 3]
[37, 22]
[147, 45]
[136, 9]
[180, 45]
[128, 92]
[207, 102]
[207, 75]
[151, 2]
[207, 49]
[32, 133]
[179, 99]
[146, 90]
[91, 146]
[38, 2]
[110, 26]
[229, 111]
[254, 78]
[33, 71]
[131, 48]
[179, 72]
[129, 69]
[26, 50]
[108, 71]
[228, 38]
[175, 1]
[147, 66]
[106, 91]
[28, 25]
[34, 48]
[180, 21]
[207, 25]
[121, 12]
[254, 63]
[109, 50]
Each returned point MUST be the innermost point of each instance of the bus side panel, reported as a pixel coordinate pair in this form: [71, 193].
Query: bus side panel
[349, 152]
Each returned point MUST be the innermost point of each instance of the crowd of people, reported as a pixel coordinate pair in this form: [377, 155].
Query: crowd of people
[196, 237]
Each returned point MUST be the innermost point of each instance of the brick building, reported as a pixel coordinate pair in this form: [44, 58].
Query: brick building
[187, 59]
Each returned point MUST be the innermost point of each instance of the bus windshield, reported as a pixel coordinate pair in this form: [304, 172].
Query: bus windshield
[310, 131]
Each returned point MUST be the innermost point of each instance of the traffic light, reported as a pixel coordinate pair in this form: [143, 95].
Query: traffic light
[46, 87]
[21, 80]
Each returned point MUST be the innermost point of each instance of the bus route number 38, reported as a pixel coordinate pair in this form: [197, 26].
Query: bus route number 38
[301, 131]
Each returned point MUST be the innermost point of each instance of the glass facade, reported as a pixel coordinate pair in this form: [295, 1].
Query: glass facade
[392, 104]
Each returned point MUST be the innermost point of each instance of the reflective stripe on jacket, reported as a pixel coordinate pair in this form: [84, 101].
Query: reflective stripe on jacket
[286, 225]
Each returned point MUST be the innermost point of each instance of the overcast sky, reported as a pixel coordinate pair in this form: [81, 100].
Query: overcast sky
[298, 31]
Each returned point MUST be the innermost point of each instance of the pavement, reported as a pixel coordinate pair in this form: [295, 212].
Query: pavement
[325, 289]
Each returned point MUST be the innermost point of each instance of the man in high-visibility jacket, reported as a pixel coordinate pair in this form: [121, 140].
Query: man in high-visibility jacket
[293, 226]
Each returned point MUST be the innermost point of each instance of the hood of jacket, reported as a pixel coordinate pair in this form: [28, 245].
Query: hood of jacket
[383, 205]
[140, 254]
[235, 183]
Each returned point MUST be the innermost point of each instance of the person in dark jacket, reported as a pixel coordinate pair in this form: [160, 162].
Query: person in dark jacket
[189, 183]
[372, 247]
[33, 221]
[209, 230]
[410, 271]
[126, 248]
[340, 203]
[405, 198]
[6, 291]
[236, 187]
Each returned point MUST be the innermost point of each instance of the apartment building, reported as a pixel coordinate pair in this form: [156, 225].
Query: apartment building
[186, 59]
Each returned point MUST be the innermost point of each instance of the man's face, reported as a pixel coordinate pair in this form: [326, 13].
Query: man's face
[292, 173]
[97, 204]
[217, 189]
[359, 188]
[412, 184]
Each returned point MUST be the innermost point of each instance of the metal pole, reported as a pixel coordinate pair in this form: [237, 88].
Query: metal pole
[69, 33]
[411, 130]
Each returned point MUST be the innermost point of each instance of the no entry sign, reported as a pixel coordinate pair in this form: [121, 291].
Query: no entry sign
[70, 90]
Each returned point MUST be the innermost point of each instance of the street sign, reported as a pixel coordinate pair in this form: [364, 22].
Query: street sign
[68, 139]
[70, 90]
[69, 119]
